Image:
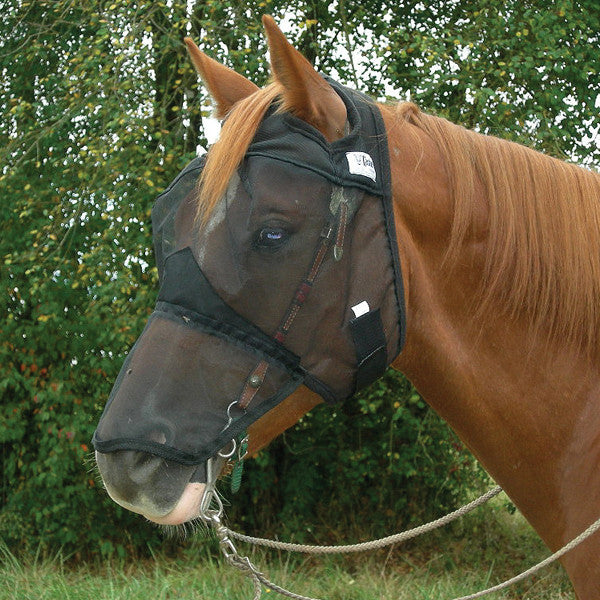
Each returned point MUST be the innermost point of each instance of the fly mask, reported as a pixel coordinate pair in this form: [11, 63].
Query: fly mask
[294, 279]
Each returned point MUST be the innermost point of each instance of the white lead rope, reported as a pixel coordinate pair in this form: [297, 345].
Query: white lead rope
[525, 574]
[397, 538]
[243, 563]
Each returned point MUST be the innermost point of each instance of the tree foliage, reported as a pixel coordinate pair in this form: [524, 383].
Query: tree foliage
[100, 109]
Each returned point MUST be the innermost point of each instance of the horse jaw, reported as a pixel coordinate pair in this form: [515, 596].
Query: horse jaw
[280, 418]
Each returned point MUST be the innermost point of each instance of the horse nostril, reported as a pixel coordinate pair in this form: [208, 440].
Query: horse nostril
[159, 430]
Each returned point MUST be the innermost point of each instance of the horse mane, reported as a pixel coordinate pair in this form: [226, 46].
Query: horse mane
[543, 245]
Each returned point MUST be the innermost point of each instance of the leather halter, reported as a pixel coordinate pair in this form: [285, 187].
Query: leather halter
[337, 224]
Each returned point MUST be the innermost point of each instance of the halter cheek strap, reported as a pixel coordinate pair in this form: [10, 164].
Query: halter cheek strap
[256, 377]
[366, 329]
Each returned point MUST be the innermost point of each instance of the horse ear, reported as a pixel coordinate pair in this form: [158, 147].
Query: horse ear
[225, 85]
[305, 93]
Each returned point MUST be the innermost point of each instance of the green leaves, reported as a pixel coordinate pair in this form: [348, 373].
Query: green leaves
[81, 167]
[521, 70]
[100, 108]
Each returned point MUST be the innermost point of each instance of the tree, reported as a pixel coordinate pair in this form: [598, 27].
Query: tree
[100, 109]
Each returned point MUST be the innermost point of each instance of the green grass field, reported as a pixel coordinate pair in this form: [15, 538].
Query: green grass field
[450, 564]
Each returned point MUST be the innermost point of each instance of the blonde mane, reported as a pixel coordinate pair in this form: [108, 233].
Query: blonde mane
[544, 216]
[543, 247]
[227, 153]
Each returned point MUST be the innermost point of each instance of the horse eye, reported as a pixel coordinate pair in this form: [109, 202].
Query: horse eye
[271, 237]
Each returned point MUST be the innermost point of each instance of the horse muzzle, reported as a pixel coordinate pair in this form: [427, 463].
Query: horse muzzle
[163, 491]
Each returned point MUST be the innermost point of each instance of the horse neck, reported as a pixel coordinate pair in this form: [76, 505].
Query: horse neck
[527, 407]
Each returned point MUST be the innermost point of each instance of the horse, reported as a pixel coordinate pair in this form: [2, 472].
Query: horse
[499, 251]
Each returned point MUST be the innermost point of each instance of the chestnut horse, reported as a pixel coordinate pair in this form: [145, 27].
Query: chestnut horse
[500, 254]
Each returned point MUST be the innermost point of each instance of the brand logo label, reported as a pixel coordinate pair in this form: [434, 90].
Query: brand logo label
[361, 163]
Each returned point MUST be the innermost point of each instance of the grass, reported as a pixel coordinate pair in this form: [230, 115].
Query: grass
[450, 564]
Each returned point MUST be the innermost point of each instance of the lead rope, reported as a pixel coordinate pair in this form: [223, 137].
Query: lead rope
[243, 563]
[396, 538]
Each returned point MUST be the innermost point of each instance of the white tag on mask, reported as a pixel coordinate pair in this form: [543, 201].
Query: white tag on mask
[360, 309]
[361, 163]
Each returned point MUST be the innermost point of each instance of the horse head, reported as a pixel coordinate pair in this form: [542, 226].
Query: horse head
[280, 285]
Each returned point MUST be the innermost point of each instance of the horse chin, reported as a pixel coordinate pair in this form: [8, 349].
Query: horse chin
[162, 491]
[186, 509]
[188, 506]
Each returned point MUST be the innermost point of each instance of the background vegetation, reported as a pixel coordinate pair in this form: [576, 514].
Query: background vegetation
[100, 108]
[425, 573]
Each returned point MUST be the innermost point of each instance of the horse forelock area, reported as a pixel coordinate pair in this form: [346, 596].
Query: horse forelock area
[227, 153]
[543, 247]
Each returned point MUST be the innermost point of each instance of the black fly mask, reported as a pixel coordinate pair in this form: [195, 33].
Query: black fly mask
[294, 280]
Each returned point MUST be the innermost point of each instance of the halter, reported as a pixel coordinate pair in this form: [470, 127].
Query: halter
[367, 332]
[337, 224]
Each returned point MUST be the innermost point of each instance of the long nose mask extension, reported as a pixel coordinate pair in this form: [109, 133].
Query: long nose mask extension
[202, 371]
